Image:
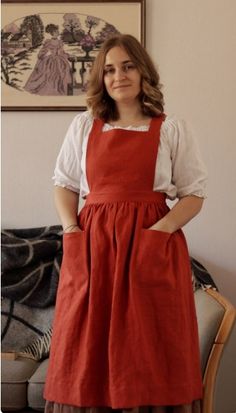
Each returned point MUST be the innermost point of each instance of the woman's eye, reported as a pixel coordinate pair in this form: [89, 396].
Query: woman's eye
[128, 66]
[109, 71]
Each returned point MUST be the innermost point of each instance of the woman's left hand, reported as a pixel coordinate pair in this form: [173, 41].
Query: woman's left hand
[181, 213]
[160, 226]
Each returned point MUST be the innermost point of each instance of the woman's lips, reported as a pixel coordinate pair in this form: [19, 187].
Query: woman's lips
[121, 86]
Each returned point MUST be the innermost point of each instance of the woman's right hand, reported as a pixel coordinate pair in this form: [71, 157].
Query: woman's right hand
[72, 228]
[67, 207]
[76, 229]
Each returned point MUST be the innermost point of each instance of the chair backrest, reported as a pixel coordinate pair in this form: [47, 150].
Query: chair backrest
[216, 317]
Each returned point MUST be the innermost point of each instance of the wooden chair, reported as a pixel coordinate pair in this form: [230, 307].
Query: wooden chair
[216, 317]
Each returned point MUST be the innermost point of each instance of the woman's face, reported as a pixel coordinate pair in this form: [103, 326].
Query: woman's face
[121, 77]
[55, 34]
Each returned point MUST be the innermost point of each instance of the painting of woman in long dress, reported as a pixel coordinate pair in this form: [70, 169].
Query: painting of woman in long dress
[52, 72]
[47, 55]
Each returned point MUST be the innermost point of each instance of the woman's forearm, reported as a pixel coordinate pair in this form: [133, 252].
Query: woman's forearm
[66, 202]
[182, 212]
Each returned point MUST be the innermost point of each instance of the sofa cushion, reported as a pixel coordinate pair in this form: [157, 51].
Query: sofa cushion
[36, 385]
[15, 375]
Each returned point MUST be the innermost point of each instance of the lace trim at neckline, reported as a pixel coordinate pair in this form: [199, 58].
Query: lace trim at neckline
[107, 126]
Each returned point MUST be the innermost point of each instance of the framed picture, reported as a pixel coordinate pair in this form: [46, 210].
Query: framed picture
[48, 48]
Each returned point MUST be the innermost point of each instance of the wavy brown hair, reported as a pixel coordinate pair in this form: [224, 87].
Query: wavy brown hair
[151, 97]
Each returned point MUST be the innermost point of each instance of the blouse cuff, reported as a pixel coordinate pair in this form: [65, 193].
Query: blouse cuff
[66, 185]
[199, 193]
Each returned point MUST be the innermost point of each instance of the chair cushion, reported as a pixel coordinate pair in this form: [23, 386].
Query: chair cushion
[15, 375]
[36, 385]
[209, 316]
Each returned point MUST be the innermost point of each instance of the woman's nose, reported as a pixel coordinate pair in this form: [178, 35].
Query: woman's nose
[119, 74]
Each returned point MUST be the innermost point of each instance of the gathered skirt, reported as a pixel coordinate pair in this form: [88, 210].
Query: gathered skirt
[125, 329]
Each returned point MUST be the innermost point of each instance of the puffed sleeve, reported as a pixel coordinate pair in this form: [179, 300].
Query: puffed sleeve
[67, 171]
[189, 174]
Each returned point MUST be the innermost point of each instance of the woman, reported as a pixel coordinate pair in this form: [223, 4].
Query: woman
[125, 332]
[51, 74]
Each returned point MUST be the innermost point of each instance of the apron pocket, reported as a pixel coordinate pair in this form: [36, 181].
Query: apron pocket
[154, 259]
[75, 258]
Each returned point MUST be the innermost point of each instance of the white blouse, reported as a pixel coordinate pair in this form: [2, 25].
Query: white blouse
[179, 171]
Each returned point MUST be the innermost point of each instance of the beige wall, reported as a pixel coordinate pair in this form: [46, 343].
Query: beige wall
[194, 44]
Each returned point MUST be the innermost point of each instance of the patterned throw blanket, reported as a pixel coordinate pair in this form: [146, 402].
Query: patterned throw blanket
[31, 260]
[200, 276]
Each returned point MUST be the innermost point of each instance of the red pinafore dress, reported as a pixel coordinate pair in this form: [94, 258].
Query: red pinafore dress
[125, 330]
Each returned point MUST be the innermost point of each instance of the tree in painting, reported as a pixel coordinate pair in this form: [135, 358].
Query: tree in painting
[107, 31]
[33, 27]
[73, 31]
[91, 22]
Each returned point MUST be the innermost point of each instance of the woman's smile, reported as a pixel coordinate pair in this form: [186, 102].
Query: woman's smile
[121, 86]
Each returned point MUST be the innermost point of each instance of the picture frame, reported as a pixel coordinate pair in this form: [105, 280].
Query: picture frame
[48, 48]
